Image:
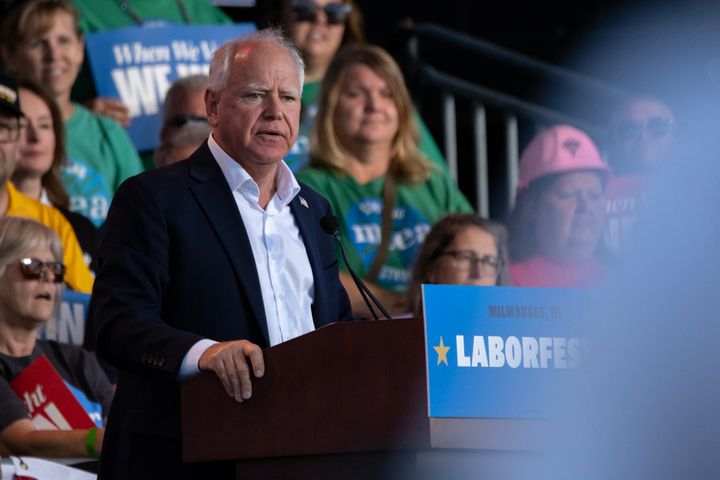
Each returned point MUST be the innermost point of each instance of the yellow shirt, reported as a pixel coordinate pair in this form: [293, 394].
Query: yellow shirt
[78, 274]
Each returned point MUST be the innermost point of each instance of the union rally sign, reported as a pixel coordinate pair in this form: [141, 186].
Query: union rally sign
[496, 352]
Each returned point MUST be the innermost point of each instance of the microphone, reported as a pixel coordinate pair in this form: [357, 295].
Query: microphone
[331, 226]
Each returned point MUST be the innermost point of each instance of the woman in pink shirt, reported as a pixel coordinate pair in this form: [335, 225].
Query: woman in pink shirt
[557, 223]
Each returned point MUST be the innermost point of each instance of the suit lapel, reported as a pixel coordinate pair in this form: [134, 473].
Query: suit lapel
[307, 224]
[216, 200]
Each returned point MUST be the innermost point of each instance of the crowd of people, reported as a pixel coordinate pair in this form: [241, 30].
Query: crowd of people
[291, 124]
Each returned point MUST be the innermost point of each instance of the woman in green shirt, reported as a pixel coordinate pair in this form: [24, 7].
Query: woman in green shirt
[365, 160]
[319, 28]
[41, 40]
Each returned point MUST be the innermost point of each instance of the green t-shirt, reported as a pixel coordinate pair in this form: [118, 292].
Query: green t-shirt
[359, 211]
[299, 155]
[98, 15]
[100, 156]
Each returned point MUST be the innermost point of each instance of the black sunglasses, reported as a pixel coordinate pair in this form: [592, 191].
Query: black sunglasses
[657, 127]
[335, 13]
[180, 120]
[34, 269]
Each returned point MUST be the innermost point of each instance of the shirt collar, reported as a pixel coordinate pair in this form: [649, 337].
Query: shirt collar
[286, 185]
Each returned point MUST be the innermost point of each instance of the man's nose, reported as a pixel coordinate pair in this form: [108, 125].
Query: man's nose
[273, 107]
[581, 201]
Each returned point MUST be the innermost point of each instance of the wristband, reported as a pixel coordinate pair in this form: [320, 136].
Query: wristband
[90, 443]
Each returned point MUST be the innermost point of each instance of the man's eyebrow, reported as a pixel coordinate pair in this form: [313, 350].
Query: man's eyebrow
[255, 87]
[290, 91]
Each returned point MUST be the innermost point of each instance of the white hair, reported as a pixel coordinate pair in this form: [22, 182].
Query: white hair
[221, 60]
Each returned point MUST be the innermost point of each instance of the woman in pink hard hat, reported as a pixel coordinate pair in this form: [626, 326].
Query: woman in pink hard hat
[557, 223]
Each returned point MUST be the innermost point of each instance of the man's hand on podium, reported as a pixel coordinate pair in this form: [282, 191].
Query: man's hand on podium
[229, 361]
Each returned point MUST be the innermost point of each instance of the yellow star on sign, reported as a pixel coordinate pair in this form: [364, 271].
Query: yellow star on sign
[442, 352]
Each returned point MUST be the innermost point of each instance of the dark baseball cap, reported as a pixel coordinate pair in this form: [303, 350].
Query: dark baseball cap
[9, 98]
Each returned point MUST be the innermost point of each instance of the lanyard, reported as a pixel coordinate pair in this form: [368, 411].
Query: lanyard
[125, 7]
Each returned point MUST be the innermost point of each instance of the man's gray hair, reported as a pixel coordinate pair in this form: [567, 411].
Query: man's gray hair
[222, 58]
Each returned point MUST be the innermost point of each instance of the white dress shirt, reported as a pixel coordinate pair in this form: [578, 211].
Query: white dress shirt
[283, 267]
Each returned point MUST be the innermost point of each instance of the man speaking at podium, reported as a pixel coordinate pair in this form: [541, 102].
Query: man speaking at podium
[206, 261]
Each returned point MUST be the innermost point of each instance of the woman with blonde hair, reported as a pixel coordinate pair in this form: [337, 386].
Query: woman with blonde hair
[319, 29]
[365, 160]
[31, 278]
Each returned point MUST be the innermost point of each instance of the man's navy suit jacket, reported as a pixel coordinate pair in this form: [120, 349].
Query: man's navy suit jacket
[176, 266]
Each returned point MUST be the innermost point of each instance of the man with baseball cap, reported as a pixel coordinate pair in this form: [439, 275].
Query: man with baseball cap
[14, 203]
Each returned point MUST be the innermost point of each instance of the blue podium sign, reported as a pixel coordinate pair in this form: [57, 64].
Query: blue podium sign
[137, 65]
[492, 352]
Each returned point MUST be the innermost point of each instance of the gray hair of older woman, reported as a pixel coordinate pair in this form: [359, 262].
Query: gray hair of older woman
[441, 235]
[20, 235]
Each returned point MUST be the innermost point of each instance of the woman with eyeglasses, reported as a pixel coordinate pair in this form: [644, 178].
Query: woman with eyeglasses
[319, 28]
[31, 279]
[365, 161]
[555, 229]
[461, 249]
[42, 155]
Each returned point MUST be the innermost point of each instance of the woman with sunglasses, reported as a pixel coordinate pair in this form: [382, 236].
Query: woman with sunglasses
[643, 140]
[366, 161]
[31, 278]
[556, 226]
[643, 135]
[461, 249]
[319, 28]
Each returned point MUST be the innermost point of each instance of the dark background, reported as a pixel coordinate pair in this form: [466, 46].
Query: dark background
[593, 36]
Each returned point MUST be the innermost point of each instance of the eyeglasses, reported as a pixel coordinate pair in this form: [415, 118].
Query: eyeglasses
[180, 120]
[10, 130]
[335, 13]
[658, 127]
[465, 261]
[34, 269]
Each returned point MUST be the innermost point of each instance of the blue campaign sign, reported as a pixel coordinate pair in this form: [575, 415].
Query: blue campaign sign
[492, 352]
[138, 65]
[68, 324]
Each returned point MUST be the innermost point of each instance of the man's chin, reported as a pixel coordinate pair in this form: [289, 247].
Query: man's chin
[270, 154]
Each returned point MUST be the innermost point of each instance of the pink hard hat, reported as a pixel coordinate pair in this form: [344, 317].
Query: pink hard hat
[559, 149]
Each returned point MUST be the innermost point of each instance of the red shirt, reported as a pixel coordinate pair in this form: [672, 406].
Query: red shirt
[541, 271]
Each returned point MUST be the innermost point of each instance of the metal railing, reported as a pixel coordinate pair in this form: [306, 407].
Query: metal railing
[451, 88]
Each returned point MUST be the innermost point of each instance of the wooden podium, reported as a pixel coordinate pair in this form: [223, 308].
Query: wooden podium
[347, 400]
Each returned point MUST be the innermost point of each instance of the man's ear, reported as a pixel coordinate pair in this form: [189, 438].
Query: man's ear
[211, 103]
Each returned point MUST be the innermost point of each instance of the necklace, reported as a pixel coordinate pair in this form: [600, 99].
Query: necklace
[125, 7]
